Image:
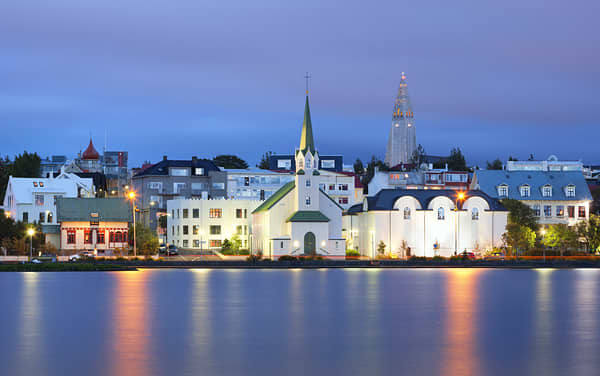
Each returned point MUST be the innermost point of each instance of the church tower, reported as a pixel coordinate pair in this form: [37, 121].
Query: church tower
[402, 139]
[307, 166]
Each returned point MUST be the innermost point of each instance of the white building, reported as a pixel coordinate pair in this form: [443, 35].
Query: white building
[550, 164]
[422, 179]
[423, 222]
[300, 218]
[200, 224]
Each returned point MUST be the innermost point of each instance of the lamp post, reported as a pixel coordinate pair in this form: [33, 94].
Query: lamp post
[30, 232]
[131, 196]
[459, 197]
[543, 232]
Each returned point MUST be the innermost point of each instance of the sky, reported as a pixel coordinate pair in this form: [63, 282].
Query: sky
[200, 78]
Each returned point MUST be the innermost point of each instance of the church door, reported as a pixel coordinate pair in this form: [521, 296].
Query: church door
[309, 244]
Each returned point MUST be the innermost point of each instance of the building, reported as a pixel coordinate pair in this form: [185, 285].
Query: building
[114, 166]
[402, 141]
[550, 164]
[287, 163]
[556, 196]
[173, 179]
[422, 179]
[425, 222]
[89, 160]
[93, 224]
[52, 165]
[203, 224]
[300, 218]
[255, 184]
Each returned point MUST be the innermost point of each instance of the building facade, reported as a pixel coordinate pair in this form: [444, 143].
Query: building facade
[255, 184]
[421, 222]
[402, 141]
[422, 179]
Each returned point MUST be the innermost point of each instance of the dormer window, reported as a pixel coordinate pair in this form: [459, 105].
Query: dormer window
[570, 190]
[547, 190]
[503, 190]
[525, 190]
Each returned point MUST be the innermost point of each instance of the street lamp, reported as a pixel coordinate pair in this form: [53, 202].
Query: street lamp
[30, 232]
[459, 197]
[131, 196]
[543, 232]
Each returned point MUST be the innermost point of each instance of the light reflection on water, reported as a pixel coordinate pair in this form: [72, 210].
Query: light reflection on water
[298, 322]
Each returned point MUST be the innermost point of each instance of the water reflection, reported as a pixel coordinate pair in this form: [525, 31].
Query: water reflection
[31, 347]
[130, 351]
[460, 353]
[200, 324]
[584, 349]
[543, 322]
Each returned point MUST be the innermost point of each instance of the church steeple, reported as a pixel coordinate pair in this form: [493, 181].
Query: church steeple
[402, 139]
[306, 139]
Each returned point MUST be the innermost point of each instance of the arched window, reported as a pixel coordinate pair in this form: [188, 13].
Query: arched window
[406, 213]
[475, 214]
[49, 220]
[111, 237]
[525, 190]
[441, 215]
[124, 237]
[307, 200]
[118, 238]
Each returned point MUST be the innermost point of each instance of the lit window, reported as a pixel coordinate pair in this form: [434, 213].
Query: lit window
[195, 229]
[214, 243]
[199, 171]
[441, 215]
[475, 214]
[560, 211]
[70, 236]
[39, 200]
[215, 213]
[407, 213]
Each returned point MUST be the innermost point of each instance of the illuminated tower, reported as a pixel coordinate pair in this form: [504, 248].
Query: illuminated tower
[402, 141]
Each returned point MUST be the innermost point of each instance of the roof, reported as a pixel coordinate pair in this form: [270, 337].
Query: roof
[275, 197]
[85, 209]
[306, 139]
[90, 152]
[385, 199]
[24, 188]
[307, 216]
[162, 167]
[489, 180]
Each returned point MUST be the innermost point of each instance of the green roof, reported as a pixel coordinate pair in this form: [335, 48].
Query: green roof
[93, 209]
[300, 172]
[316, 173]
[306, 139]
[308, 216]
[275, 197]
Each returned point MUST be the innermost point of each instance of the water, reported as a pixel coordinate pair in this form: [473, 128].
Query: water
[301, 322]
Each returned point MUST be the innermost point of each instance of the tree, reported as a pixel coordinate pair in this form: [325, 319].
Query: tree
[26, 165]
[381, 248]
[520, 214]
[162, 221]
[511, 158]
[236, 243]
[375, 162]
[495, 165]
[518, 237]
[230, 161]
[5, 166]
[359, 168]
[264, 161]
[145, 239]
[456, 160]
[595, 201]
[418, 156]
[226, 245]
[561, 236]
[590, 231]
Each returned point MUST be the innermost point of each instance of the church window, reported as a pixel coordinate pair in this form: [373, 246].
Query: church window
[441, 215]
[308, 182]
[475, 214]
[407, 213]
[307, 200]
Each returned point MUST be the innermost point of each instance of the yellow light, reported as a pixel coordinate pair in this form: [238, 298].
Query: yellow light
[30, 232]
[296, 243]
[7, 214]
[543, 231]
[461, 195]
[131, 195]
[323, 243]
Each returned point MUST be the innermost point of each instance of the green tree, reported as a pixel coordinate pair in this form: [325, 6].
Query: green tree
[146, 239]
[5, 166]
[561, 236]
[456, 160]
[418, 156]
[162, 221]
[589, 230]
[236, 243]
[26, 165]
[518, 238]
[511, 158]
[359, 168]
[375, 162]
[230, 161]
[495, 165]
[226, 245]
[264, 161]
[520, 214]
[381, 248]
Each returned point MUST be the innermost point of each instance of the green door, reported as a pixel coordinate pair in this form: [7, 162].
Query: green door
[309, 244]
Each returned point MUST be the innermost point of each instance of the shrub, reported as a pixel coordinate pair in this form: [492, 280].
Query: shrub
[288, 258]
[438, 258]
[418, 258]
[352, 253]
[254, 258]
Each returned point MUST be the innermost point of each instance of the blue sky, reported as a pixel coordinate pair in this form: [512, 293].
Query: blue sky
[202, 78]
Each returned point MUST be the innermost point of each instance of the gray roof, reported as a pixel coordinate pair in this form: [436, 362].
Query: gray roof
[489, 180]
[93, 209]
[385, 199]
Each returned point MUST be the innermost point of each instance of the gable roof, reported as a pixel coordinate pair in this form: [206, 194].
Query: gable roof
[489, 180]
[81, 209]
[307, 216]
[23, 188]
[275, 197]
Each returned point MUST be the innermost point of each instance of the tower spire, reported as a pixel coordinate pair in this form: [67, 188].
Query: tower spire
[306, 139]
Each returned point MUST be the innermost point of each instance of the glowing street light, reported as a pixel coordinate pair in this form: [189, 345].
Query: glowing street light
[459, 197]
[30, 232]
[131, 196]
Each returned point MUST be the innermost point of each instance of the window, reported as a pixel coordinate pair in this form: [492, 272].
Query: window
[322, 187]
[172, 213]
[503, 190]
[199, 171]
[343, 187]
[179, 172]
[560, 211]
[441, 215]
[185, 230]
[195, 213]
[214, 243]
[195, 229]
[342, 200]
[284, 164]
[281, 245]
[178, 187]
[42, 184]
[199, 186]
[42, 217]
[156, 200]
[475, 214]
[215, 213]
[155, 185]
[35, 184]
[547, 190]
[177, 230]
[25, 217]
[571, 211]
[87, 236]
[186, 213]
[308, 182]
[50, 219]
[581, 213]
[172, 230]
[70, 236]
[332, 187]
[536, 210]
[570, 191]
[406, 213]
[215, 230]
[301, 163]
[196, 243]
[177, 213]
[547, 210]
[525, 190]
[100, 237]
[307, 200]
[218, 185]
[238, 230]
[39, 200]
[185, 243]
[241, 213]
[327, 163]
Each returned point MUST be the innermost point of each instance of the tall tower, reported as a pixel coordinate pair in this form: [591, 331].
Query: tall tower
[402, 141]
[307, 166]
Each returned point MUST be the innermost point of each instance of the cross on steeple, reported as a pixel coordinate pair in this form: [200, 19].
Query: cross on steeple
[307, 77]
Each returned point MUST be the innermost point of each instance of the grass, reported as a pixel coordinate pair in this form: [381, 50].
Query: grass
[61, 267]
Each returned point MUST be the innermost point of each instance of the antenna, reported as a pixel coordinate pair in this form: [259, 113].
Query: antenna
[307, 77]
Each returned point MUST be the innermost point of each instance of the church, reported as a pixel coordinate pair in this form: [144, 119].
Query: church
[402, 140]
[300, 219]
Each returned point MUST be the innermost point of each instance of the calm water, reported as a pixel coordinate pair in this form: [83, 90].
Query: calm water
[301, 322]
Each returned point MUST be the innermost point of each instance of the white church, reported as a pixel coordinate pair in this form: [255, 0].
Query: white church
[300, 219]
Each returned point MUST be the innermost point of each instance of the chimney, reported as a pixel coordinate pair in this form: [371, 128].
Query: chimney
[164, 157]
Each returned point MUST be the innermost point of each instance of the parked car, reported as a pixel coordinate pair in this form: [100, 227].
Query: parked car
[36, 261]
[171, 250]
[74, 257]
[469, 255]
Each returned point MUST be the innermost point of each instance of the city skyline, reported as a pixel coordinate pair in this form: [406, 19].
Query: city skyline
[176, 82]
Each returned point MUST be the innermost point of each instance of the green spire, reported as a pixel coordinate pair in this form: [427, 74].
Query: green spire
[306, 139]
